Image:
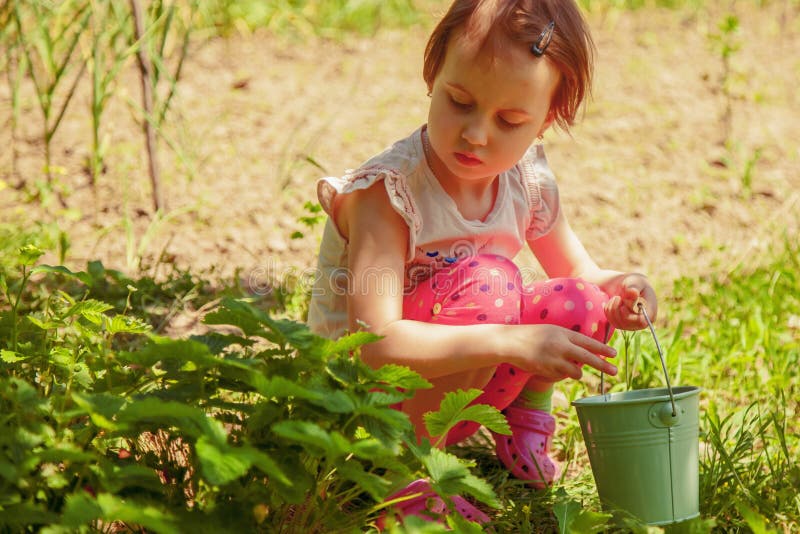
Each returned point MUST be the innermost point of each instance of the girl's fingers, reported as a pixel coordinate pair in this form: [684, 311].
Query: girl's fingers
[648, 298]
[600, 364]
[591, 345]
[570, 370]
[625, 315]
[632, 294]
[588, 351]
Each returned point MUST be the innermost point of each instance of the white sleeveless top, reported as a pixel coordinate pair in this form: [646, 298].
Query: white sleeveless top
[526, 208]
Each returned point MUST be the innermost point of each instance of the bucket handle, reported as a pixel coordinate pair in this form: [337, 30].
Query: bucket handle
[660, 355]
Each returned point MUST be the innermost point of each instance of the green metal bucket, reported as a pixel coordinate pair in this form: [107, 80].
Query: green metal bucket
[643, 446]
[644, 458]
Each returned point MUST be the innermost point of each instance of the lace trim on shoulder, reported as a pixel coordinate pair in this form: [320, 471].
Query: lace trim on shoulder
[401, 199]
[542, 189]
[397, 189]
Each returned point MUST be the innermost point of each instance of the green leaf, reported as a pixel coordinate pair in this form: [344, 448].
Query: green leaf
[81, 509]
[60, 269]
[401, 376]
[180, 351]
[117, 478]
[373, 484]
[22, 516]
[346, 370]
[8, 471]
[219, 466]
[455, 408]
[191, 421]
[391, 437]
[574, 518]
[222, 463]
[413, 524]
[90, 309]
[566, 510]
[96, 269]
[66, 452]
[313, 438]
[370, 449]
[102, 408]
[388, 416]
[255, 322]
[351, 342]
[381, 398]
[9, 356]
[29, 254]
[217, 342]
[488, 416]
[237, 316]
[47, 324]
[125, 324]
[280, 387]
[462, 525]
[336, 401]
[757, 522]
[450, 475]
[82, 375]
[589, 522]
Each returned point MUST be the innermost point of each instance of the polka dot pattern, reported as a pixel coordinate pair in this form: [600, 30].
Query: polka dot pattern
[479, 289]
[488, 289]
[569, 302]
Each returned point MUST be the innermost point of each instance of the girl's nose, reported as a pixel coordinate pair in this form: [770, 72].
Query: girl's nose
[475, 132]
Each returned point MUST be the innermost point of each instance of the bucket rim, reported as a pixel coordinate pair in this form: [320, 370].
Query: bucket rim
[637, 396]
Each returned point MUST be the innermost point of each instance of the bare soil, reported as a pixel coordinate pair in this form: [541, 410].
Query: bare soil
[650, 178]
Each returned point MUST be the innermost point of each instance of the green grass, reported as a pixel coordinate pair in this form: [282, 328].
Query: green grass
[304, 18]
[735, 335]
[336, 18]
[738, 337]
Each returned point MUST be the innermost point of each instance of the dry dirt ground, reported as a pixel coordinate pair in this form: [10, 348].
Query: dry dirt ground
[646, 178]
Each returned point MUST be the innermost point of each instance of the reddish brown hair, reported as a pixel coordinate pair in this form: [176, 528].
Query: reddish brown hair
[491, 23]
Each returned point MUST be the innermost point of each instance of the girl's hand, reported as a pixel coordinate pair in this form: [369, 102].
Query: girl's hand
[622, 309]
[554, 353]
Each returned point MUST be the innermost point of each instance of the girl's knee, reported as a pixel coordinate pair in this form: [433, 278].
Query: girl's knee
[569, 302]
[473, 290]
[484, 273]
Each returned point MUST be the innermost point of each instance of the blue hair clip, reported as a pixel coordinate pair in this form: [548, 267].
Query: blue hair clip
[544, 39]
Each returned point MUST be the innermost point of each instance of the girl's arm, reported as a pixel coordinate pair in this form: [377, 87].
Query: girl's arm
[561, 253]
[378, 240]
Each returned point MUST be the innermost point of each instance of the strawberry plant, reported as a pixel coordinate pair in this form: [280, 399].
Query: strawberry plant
[257, 425]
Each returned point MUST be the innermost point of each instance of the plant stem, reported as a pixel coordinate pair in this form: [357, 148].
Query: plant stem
[145, 71]
[15, 306]
[14, 66]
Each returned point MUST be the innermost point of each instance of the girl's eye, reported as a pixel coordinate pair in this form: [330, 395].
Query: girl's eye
[459, 104]
[507, 124]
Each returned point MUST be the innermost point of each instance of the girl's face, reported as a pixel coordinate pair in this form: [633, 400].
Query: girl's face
[484, 115]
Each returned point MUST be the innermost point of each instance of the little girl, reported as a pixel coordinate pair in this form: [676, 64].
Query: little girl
[418, 242]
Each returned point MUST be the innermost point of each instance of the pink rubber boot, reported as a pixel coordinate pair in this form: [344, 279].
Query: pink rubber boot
[428, 505]
[525, 451]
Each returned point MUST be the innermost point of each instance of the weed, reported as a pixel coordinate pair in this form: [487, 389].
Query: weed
[110, 49]
[48, 36]
[725, 42]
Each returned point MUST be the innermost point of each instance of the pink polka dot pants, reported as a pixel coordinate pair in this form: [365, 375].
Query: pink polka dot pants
[489, 289]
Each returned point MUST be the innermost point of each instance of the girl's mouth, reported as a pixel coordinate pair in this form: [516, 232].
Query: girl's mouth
[465, 158]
